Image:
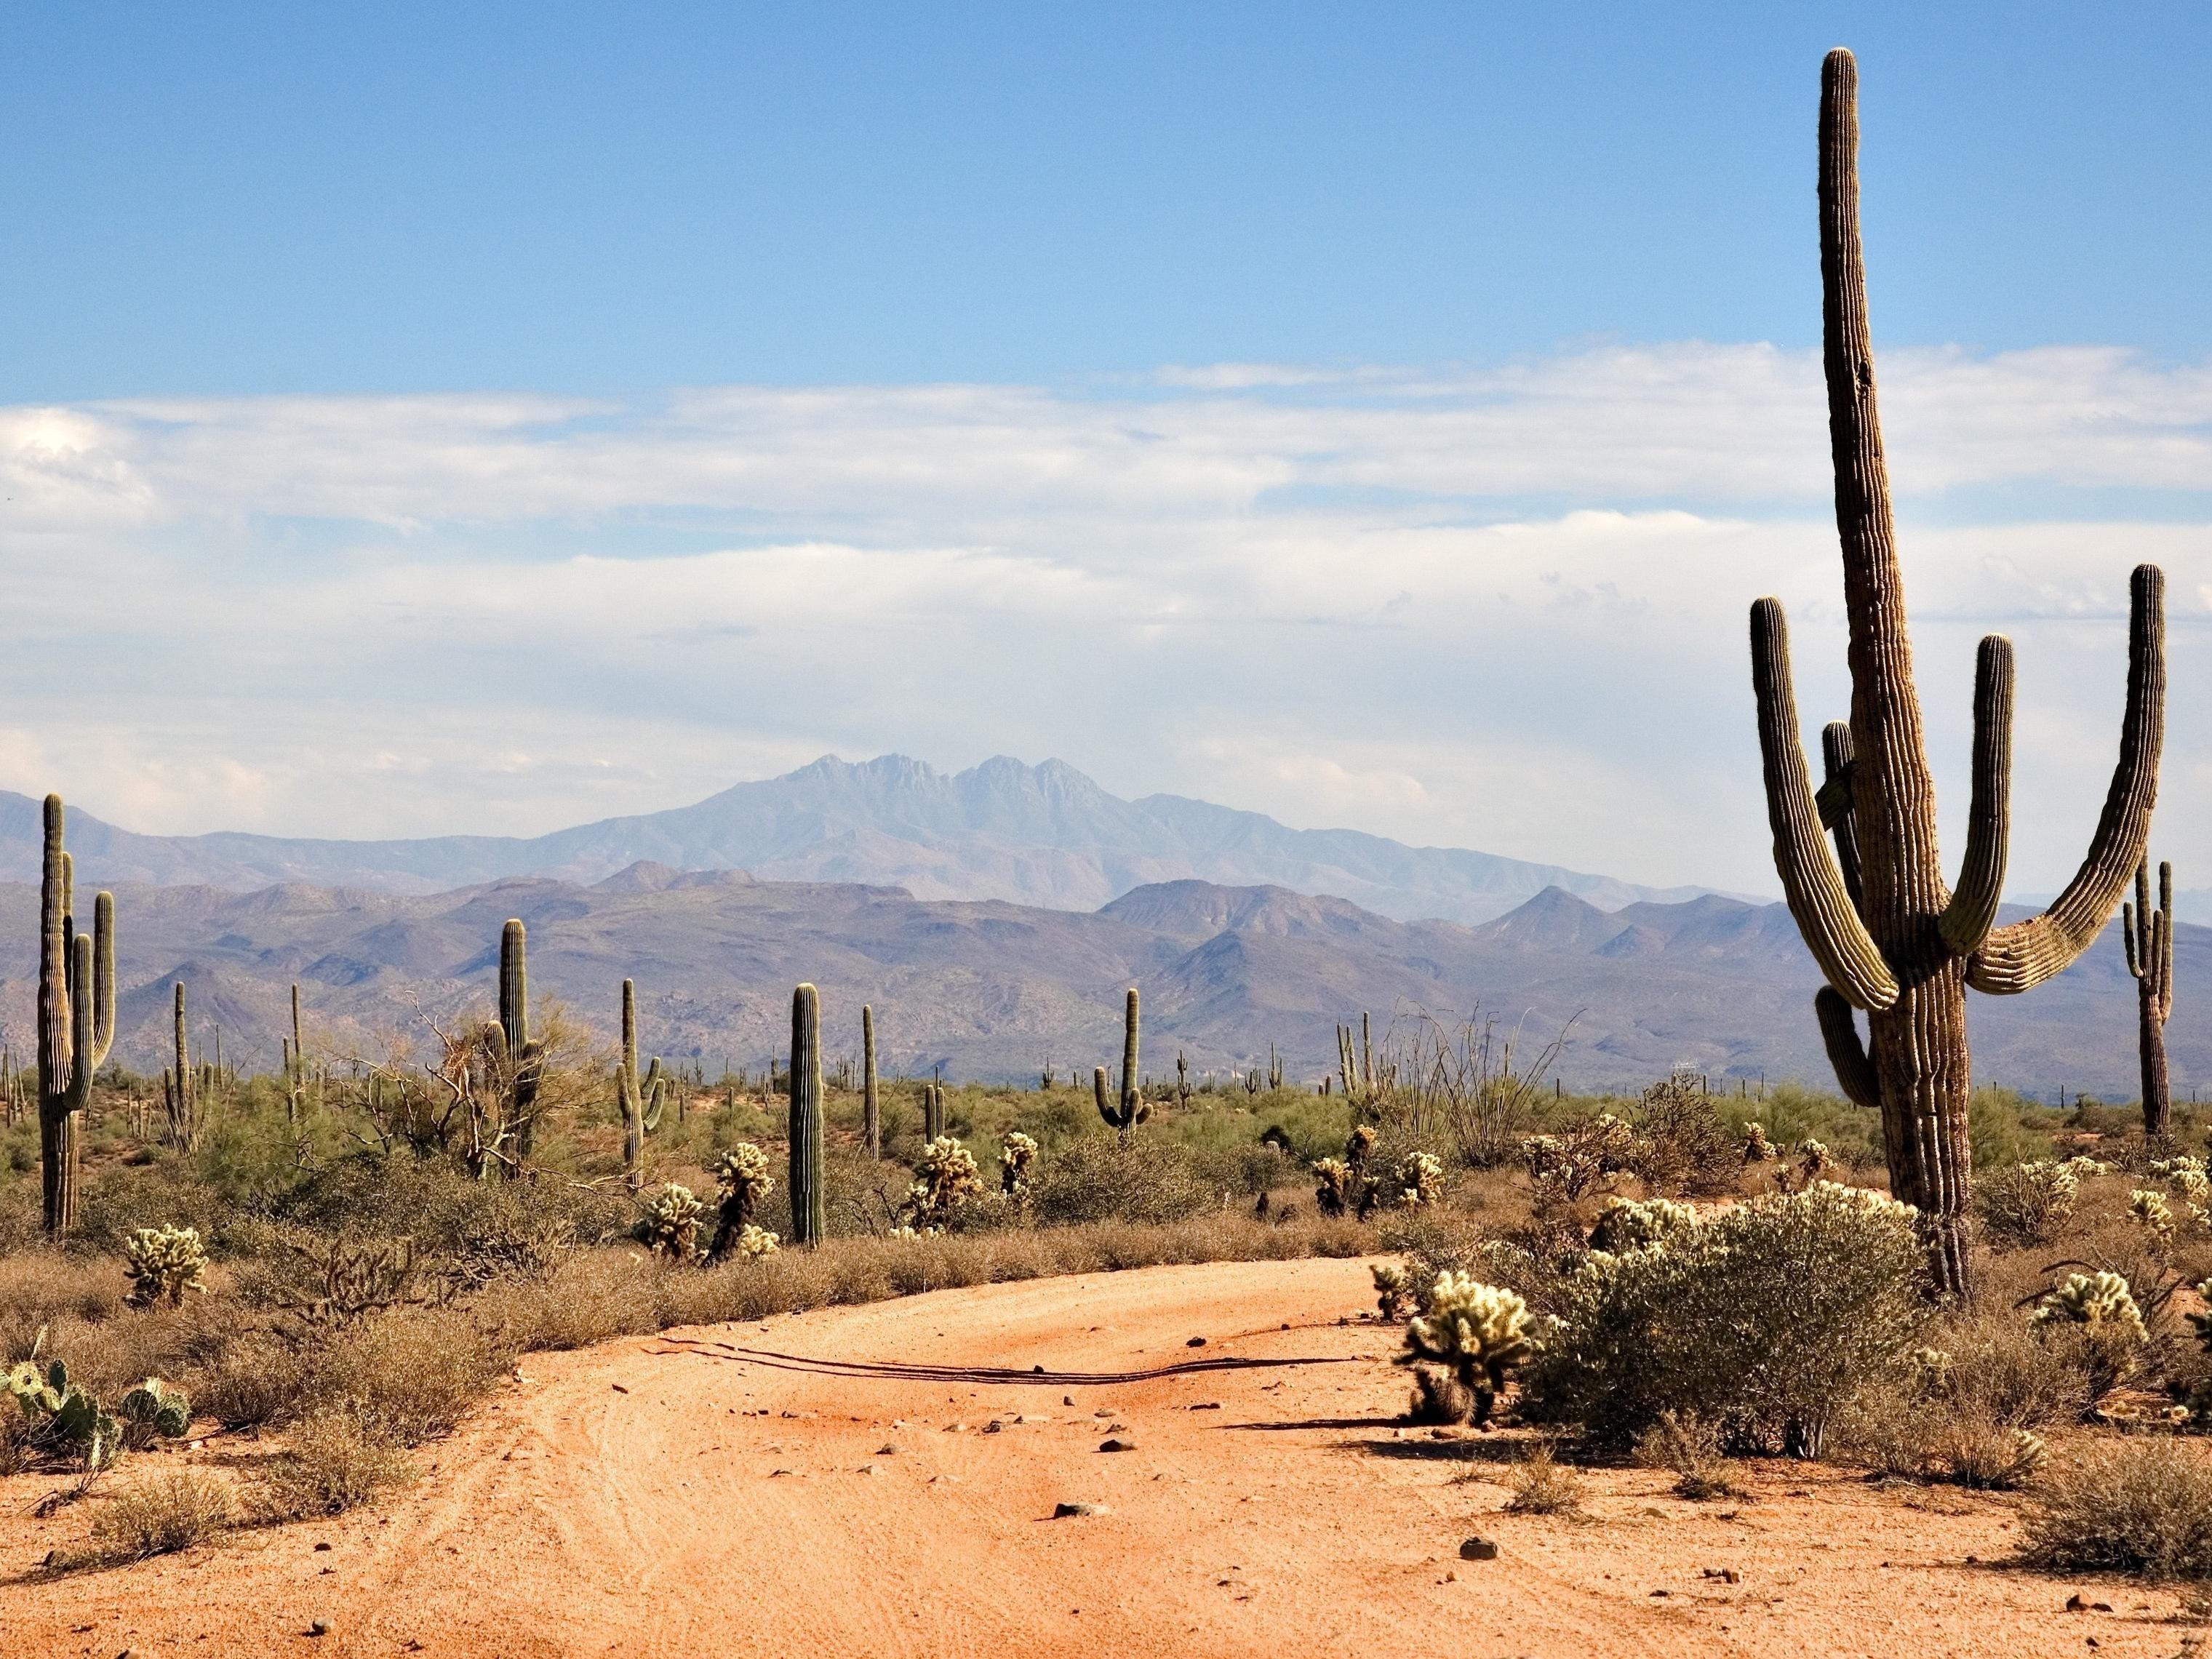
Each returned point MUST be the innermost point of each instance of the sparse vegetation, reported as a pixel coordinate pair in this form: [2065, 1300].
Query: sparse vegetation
[2141, 1506]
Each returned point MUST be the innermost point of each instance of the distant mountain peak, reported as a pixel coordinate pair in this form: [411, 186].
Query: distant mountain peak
[1044, 834]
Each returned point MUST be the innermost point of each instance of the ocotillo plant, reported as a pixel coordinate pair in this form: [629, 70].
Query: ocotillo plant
[1906, 946]
[871, 1122]
[1131, 1108]
[2148, 935]
[640, 1097]
[806, 1195]
[76, 1021]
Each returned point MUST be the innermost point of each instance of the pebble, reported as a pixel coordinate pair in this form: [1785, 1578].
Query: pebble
[1062, 1511]
[1477, 1549]
[1117, 1445]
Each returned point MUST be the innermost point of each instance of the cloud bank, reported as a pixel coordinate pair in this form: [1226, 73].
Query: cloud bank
[1500, 607]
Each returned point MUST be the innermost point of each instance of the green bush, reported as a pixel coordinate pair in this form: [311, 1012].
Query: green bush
[1099, 1179]
[1765, 1320]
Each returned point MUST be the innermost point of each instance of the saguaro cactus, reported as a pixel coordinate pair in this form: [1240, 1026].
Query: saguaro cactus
[516, 1059]
[640, 1097]
[933, 1110]
[1890, 936]
[2148, 935]
[76, 1021]
[807, 1225]
[1131, 1108]
[177, 1100]
[871, 1122]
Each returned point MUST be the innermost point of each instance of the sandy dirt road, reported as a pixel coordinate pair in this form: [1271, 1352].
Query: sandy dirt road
[696, 1495]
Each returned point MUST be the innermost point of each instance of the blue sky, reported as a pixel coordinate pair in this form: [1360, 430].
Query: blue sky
[421, 419]
[238, 198]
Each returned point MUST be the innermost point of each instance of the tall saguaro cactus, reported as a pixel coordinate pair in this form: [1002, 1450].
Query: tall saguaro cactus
[517, 1060]
[932, 1109]
[1891, 937]
[177, 1091]
[2149, 936]
[807, 1212]
[872, 1120]
[1124, 1115]
[76, 1021]
[641, 1097]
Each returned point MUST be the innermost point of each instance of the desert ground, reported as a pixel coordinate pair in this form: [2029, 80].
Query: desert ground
[883, 1480]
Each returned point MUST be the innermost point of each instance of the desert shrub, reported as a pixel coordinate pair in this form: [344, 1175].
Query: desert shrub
[2140, 1506]
[161, 1514]
[2025, 1203]
[2100, 1309]
[1681, 1143]
[1765, 1319]
[1474, 1334]
[1985, 1455]
[333, 1460]
[412, 1373]
[1691, 1448]
[1541, 1485]
[586, 1297]
[1096, 1178]
[257, 1380]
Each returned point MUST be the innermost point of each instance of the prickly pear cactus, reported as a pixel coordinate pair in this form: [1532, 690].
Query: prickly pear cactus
[164, 1262]
[153, 1411]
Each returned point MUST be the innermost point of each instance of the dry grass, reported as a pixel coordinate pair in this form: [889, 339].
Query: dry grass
[1543, 1486]
[332, 1461]
[159, 1515]
[2140, 1506]
[1692, 1447]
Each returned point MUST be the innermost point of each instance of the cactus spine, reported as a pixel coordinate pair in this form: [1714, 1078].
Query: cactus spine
[640, 1097]
[1123, 1115]
[76, 1021]
[2149, 936]
[872, 1123]
[1904, 946]
[807, 1196]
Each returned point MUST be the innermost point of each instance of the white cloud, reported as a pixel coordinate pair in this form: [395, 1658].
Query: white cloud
[1502, 608]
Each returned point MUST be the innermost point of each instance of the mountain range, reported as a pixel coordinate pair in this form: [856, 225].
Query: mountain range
[988, 989]
[1041, 835]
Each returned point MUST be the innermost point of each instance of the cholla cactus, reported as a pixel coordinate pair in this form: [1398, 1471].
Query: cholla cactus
[753, 1243]
[1420, 1179]
[2081, 1166]
[945, 1179]
[1572, 1164]
[1757, 1148]
[164, 1262]
[2149, 1209]
[1017, 1151]
[1478, 1332]
[1931, 1370]
[1394, 1296]
[2202, 1322]
[2101, 1302]
[1629, 1223]
[154, 1409]
[673, 1216]
[1357, 1145]
[1334, 1183]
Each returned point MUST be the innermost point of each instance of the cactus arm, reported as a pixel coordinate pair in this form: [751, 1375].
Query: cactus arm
[2165, 941]
[1811, 880]
[81, 1025]
[1966, 921]
[1839, 1031]
[103, 978]
[1835, 800]
[653, 1095]
[2021, 956]
[1098, 1089]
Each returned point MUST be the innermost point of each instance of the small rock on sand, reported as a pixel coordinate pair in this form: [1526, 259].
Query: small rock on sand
[1062, 1511]
[1477, 1549]
[1117, 1445]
